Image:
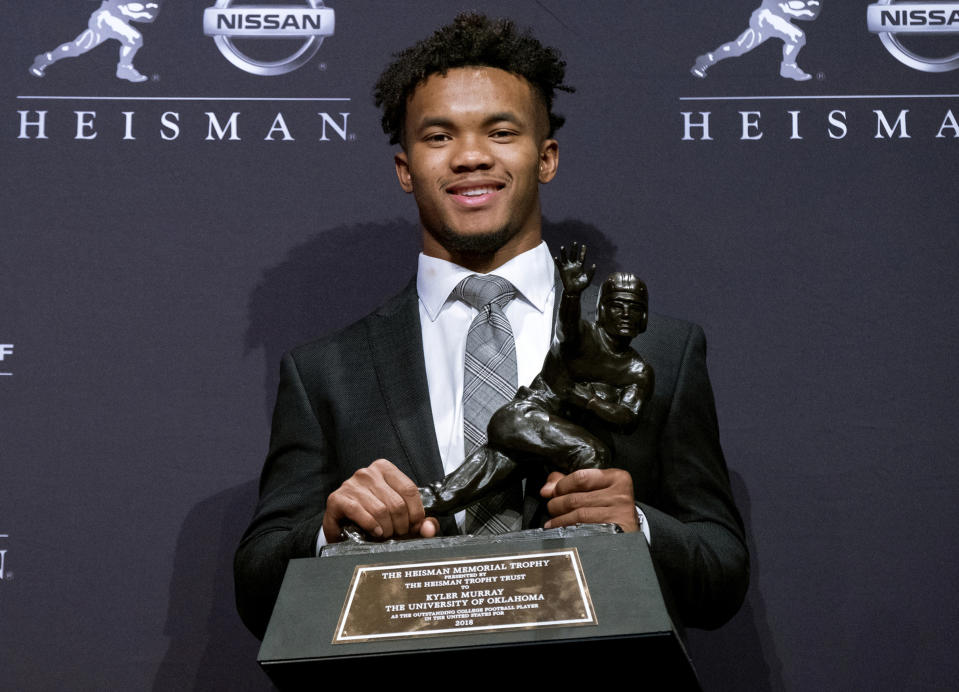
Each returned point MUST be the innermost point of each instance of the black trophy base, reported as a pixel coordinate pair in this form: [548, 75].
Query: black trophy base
[633, 634]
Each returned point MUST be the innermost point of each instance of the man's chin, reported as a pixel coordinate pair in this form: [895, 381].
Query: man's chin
[480, 243]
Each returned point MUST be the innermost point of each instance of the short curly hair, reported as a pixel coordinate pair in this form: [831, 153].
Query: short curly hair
[472, 40]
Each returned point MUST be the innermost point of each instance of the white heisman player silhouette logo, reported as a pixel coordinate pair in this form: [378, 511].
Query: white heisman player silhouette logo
[111, 20]
[773, 19]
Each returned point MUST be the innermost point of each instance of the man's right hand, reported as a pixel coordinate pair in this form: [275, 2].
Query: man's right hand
[382, 501]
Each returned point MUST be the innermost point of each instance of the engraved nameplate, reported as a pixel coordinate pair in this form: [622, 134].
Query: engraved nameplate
[513, 591]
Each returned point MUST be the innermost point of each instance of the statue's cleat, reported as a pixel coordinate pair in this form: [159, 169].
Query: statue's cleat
[40, 63]
[791, 70]
[129, 73]
[703, 63]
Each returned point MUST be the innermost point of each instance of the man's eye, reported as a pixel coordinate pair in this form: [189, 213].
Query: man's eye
[437, 137]
[502, 134]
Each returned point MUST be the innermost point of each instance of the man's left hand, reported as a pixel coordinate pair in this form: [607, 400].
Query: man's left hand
[591, 496]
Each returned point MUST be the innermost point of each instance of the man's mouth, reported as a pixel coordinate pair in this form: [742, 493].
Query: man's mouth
[474, 194]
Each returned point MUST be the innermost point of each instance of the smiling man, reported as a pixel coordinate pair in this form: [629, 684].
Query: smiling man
[476, 149]
[400, 398]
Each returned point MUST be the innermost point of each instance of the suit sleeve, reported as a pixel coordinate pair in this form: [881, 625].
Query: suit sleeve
[299, 473]
[697, 537]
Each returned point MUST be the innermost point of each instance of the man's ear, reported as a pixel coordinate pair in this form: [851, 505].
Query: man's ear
[548, 160]
[403, 174]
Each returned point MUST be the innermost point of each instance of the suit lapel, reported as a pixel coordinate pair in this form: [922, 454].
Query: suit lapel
[396, 343]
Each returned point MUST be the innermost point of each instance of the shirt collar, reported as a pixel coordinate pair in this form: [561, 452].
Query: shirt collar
[532, 273]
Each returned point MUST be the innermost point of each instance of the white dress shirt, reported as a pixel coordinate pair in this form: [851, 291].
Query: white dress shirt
[445, 322]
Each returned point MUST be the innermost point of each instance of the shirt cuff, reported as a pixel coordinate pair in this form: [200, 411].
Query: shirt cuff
[321, 540]
[640, 519]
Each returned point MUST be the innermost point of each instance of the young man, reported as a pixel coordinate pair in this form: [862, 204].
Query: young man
[360, 421]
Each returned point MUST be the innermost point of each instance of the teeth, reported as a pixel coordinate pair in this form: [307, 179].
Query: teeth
[475, 192]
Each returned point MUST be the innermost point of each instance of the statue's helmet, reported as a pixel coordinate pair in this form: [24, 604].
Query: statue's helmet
[623, 304]
[623, 282]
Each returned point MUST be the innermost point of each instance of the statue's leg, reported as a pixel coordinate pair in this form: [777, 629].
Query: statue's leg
[86, 41]
[745, 42]
[528, 429]
[481, 474]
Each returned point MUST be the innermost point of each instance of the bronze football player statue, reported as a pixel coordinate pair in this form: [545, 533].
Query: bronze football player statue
[591, 377]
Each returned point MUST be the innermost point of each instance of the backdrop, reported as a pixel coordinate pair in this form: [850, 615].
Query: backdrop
[164, 241]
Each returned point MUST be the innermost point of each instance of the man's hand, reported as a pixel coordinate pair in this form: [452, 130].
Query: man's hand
[382, 501]
[591, 496]
[575, 278]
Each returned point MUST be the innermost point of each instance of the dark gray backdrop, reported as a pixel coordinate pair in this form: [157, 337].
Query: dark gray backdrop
[148, 288]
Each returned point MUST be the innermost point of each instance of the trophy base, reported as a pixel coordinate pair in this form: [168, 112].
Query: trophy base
[462, 607]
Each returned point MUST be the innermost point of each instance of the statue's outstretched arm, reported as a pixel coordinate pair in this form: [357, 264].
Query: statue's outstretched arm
[575, 280]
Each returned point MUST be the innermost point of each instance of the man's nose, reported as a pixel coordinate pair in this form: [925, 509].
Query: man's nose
[472, 153]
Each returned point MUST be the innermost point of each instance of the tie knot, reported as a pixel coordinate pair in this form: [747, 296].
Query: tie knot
[479, 291]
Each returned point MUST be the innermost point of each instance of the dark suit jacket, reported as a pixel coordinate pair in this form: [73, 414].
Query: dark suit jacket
[361, 394]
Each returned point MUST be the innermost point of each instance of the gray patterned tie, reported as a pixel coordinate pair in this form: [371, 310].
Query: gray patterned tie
[489, 381]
